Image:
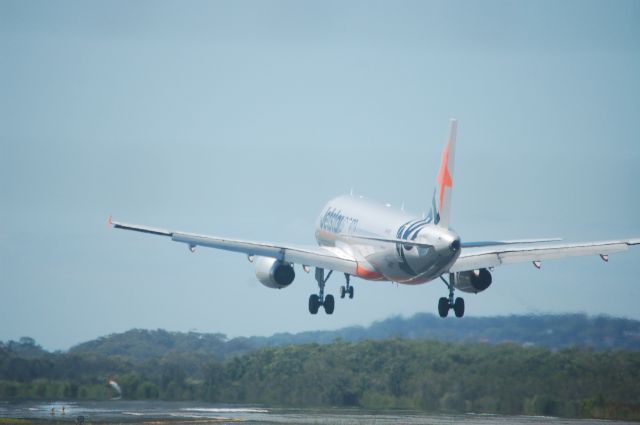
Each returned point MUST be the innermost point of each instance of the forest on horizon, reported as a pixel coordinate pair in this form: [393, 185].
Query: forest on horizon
[390, 365]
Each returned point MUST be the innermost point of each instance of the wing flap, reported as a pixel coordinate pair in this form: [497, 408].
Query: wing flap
[492, 256]
[234, 245]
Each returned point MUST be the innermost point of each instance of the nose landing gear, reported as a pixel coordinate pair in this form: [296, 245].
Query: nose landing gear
[347, 289]
[445, 304]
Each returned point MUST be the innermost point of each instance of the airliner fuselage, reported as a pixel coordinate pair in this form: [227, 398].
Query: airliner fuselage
[346, 220]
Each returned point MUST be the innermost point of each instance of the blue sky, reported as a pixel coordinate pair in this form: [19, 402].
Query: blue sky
[240, 118]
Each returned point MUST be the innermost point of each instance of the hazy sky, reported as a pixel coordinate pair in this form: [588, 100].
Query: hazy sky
[242, 118]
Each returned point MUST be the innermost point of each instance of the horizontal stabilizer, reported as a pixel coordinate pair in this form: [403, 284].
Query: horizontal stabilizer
[389, 240]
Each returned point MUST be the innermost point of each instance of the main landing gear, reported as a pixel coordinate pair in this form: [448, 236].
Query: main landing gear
[317, 300]
[445, 304]
[347, 289]
[328, 302]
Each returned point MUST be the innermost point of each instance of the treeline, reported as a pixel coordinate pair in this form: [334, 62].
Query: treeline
[397, 373]
[551, 331]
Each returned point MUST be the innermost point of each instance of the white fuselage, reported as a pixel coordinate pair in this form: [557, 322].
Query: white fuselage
[345, 218]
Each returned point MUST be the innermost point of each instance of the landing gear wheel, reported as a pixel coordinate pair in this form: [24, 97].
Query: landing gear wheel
[350, 291]
[343, 290]
[314, 304]
[329, 304]
[443, 307]
[458, 307]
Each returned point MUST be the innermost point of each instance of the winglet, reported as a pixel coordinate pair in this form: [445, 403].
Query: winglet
[110, 221]
[441, 202]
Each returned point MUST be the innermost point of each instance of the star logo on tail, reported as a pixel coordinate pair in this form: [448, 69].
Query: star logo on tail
[444, 178]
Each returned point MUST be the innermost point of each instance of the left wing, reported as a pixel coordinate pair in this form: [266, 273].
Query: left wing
[485, 256]
[323, 257]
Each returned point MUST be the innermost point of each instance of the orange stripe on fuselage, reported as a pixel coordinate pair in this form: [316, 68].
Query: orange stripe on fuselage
[326, 235]
[368, 274]
[362, 272]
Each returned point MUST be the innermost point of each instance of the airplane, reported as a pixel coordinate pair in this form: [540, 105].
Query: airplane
[374, 241]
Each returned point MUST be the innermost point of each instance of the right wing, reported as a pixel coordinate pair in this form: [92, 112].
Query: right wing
[315, 256]
[507, 242]
[486, 256]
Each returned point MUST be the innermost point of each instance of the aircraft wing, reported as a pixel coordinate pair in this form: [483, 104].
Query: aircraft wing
[485, 256]
[323, 257]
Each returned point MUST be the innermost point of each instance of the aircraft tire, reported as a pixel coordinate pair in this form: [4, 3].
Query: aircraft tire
[351, 292]
[458, 307]
[329, 304]
[314, 304]
[343, 290]
[443, 307]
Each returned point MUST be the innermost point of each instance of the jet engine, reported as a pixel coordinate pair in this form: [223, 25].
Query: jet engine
[273, 273]
[472, 281]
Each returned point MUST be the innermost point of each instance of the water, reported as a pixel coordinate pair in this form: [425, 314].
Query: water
[159, 412]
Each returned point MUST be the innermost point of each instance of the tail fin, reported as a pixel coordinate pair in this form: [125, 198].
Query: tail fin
[441, 203]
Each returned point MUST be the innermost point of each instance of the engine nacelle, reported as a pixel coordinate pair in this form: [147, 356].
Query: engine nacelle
[273, 273]
[473, 281]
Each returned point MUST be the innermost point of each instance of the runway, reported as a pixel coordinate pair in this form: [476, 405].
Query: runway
[159, 412]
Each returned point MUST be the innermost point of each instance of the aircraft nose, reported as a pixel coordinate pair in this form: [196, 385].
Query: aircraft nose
[455, 245]
[450, 241]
